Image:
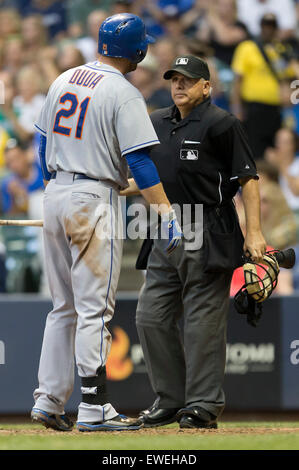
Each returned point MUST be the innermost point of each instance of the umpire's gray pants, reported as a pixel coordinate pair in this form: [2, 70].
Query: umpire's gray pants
[191, 374]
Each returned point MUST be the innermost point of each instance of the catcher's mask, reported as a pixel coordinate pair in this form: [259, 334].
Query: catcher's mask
[260, 281]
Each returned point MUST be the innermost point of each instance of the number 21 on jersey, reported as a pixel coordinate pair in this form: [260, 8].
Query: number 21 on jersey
[66, 113]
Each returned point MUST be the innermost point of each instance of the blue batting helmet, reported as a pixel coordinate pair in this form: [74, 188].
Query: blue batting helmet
[124, 35]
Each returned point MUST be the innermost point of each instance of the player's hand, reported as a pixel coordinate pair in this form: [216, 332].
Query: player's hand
[171, 229]
[255, 246]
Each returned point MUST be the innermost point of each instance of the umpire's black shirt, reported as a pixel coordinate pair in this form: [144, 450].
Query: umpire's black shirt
[198, 165]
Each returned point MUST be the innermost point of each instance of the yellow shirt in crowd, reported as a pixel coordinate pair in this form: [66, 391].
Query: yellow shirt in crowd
[3, 140]
[258, 82]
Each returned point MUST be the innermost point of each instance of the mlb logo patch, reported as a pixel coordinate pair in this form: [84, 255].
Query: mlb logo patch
[188, 154]
[105, 49]
[182, 61]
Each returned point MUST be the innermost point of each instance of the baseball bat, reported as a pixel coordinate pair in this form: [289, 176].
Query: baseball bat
[23, 223]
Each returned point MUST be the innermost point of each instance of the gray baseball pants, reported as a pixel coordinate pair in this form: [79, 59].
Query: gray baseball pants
[83, 259]
[186, 370]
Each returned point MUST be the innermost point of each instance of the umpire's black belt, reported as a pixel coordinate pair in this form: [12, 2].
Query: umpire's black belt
[76, 176]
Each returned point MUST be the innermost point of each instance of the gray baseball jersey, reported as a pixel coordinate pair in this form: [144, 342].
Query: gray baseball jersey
[92, 117]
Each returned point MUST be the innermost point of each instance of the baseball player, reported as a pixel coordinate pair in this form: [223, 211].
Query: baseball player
[94, 124]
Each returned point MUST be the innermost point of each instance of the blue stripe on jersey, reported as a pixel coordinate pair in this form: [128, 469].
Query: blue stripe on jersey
[102, 70]
[110, 276]
[39, 129]
[140, 145]
[42, 157]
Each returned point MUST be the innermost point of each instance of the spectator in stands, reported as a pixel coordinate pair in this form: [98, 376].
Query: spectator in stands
[124, 6]
[250, 12]
[13, 54]
[222, 31]
[88, 45]
[35, 37]
[174, 29]
[173, 7]
[267, 172]
[283, 157]
[68, 57]
[53, 13]
[78, 12]
[144, 78]
[46, 65]
[8, 4]
[18, 113]
[164, 50]
[29, 101]
[4, 137]
[259, 66]
[25, 177]
[7, 95]
[278, 221]
[10, 23]
[195, 19]
[162, 17]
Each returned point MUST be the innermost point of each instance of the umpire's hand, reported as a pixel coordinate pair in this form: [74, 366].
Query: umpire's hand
[170, 229]
[255, 246]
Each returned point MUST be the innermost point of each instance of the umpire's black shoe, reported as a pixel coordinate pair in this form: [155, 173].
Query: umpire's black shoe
[150, 408]
[159, 417]
[196, 417]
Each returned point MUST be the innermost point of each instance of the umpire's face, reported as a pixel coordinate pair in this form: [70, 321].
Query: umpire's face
[188, 92]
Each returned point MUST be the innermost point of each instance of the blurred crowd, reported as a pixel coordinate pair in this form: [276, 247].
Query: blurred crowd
[252, 48]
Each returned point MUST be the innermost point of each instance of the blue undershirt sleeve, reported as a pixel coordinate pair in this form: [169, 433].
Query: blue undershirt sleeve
[42, 157]
[143, 169]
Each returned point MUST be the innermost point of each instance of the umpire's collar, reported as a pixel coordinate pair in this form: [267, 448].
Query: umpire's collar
[194, 115]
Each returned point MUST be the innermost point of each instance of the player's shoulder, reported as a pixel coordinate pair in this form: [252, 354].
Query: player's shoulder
[126, 91]
[61, 79]
[64, 78]
[125, 94]
[116, 84]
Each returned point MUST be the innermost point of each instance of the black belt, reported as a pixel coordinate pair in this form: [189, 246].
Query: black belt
[77, 176]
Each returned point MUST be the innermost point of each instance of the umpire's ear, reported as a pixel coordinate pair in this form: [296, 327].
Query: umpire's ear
[206, 90]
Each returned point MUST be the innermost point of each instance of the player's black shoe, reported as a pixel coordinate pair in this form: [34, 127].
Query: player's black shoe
[57, 422]
[118, 423]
